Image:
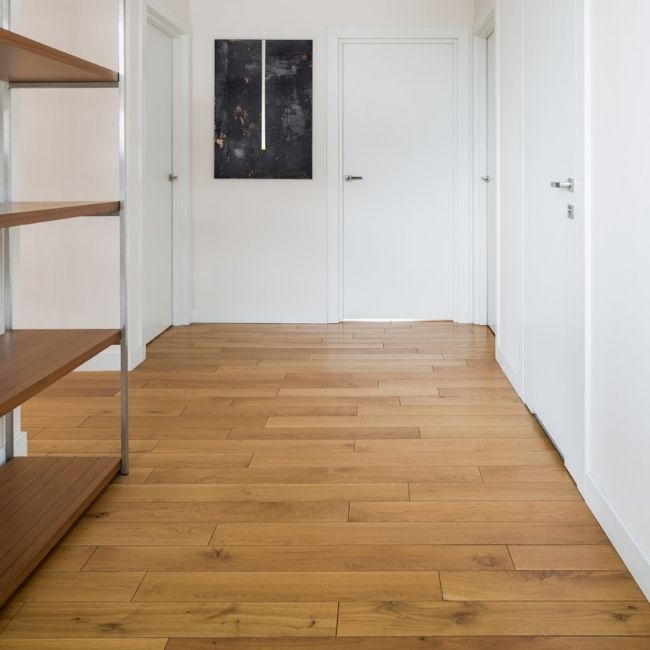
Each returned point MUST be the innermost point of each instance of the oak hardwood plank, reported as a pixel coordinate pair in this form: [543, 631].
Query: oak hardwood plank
[340, 557]
[547, 585]
[407, 533]
[320, 493]
[222, 511]
[78, 586]
[559, 557]
[140, 434]
[511, 618]
[289, 586]
[559, 491]
[415, 459]
[88, 533]
[78, 447]
[67, 558]
[479, 432]
[525, 473]
[353, 433]
[172, 459]
[8, 643]
[175, 423]
[410, 643]
[399, 420]
[254, 446]
[90, 620]
[313, 475]
[459, 511]
[537, 443]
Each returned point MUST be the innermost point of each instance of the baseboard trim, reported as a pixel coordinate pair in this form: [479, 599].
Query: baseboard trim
[513, 375]
[109, 360]
[259, 315]
[623, 540]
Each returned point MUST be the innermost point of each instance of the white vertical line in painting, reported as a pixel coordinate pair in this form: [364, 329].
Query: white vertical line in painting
[263, 118]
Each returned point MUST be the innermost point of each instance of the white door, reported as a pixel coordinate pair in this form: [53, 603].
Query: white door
[490, 179]
[157, 230]
[398, 220]
[552, 258]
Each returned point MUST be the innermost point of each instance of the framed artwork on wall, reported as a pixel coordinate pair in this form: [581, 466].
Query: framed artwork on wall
[263, 109]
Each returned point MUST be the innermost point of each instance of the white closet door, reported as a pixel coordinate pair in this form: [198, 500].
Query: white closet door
[157, 229]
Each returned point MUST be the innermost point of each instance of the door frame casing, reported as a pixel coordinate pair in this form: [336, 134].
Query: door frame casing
[463, 225]
[139, 14]
[480, 191]
[158, 16]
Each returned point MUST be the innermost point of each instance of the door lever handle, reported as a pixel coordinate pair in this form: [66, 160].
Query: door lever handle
[349, 179]
[486, 179]
[569, 184]
[173, 177]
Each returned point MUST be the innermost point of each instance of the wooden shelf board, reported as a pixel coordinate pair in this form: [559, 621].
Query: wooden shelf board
[32, 360]
[40, 499]
[24, 61]
[24, 213]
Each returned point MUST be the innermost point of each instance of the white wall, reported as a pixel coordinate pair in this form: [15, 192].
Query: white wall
[67, 150]
[260, 247]
[618, 414]
[482, 8]
[509, 190]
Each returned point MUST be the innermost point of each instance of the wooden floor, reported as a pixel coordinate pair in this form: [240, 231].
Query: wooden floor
[366, 486]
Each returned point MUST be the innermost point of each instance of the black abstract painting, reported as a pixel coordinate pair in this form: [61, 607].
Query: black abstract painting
[263, 109]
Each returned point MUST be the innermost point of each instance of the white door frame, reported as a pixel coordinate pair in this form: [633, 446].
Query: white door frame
[159, 17]
[480, 207]
[155, 13]
[463, 226]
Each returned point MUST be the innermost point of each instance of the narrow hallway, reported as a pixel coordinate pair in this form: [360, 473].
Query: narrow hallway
[368, 480]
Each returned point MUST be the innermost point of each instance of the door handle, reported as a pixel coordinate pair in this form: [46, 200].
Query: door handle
[486, 179]
[172, 177]
[569, 184]
[349, 179]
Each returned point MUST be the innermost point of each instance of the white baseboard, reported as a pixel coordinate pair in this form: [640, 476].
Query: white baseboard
[635, 558]
[513, 375]
[259, 315]
[109, 360]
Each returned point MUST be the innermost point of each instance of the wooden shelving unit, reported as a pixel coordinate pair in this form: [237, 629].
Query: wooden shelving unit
[42, 497]
[23, 61]
[32, 360]
[23, 213]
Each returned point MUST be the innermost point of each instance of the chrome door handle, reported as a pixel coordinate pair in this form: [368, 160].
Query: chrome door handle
[349, 179]
[486, 179]
[172, 177]
[569, 184]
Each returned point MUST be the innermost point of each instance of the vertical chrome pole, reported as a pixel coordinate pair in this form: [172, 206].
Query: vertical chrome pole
[124, 347]
[7, 286]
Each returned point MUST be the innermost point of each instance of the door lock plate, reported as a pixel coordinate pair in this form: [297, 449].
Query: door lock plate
[570, 213]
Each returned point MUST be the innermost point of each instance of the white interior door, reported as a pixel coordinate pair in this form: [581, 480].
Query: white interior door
[398, 220]
[490, 178]
[553, 273]
[157, 230]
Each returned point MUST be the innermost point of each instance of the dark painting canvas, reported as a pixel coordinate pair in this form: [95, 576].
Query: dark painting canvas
[263, 109]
